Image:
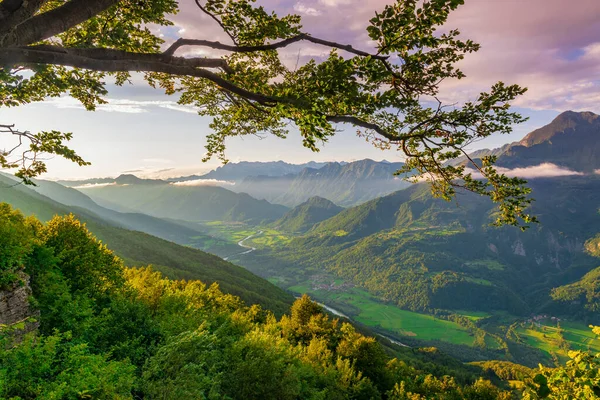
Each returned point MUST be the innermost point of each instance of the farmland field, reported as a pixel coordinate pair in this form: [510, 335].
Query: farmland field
[237, 231]
[366, 310]
[550, 339]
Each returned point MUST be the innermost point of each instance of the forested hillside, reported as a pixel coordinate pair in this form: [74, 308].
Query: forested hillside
[423, 253]
[137, 249]
[582, 297]
[306, 215]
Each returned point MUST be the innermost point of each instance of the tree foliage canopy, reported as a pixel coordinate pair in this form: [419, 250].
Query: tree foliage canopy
[389, 93]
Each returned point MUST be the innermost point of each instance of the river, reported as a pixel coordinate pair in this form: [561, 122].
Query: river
[332, 310]
[250, 249]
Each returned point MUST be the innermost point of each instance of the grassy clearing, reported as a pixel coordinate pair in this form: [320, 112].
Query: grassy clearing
[472, 315]
[492, 265]
[268, 238]
[479, 281]
[550, 339]
[580, 336]
[231, 231]
[340, 233]
[237, 231]
[278, 280]
[366, 310]
[420, 326]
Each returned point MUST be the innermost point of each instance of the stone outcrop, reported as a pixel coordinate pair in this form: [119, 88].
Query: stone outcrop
[15, 310]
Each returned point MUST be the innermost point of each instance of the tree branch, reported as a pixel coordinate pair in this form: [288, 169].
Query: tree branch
[53, 22]
[14, 12]
[346, 119]
[273, 46]
[217, 20]
[120, 55]
[127, 62]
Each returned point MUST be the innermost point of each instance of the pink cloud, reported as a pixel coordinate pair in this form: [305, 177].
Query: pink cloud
[544, 170]
[204, 182]
[550, 46]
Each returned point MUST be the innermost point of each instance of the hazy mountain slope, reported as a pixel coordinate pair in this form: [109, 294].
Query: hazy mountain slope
[161, 228]
[571, 140]
[423, 253]
[344, 184]
[303, 217]
[138, 248]
[190, 203]
[124, 179]
[241, 170]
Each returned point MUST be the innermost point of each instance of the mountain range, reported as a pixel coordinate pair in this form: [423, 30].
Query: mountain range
[211, 197]
[188, 203]
[235, 172]
[570, 141]
[344, 184]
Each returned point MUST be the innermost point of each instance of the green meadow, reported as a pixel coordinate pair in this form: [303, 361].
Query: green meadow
[552, 340]
[237, 231]
[368, 311]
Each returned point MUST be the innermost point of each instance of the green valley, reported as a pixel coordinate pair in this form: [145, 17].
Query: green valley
[429, 273]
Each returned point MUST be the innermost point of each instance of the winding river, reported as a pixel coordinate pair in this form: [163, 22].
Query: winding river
[250, 249]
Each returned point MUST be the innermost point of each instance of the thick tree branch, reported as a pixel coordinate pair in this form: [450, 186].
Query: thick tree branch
[119, 55]
[53, 22]
[273, 46]
[84, 58]
[14, 12]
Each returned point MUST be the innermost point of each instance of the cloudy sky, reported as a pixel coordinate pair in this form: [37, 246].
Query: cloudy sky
[550, 46]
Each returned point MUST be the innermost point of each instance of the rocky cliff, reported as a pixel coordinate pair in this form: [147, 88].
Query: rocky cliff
[16, 313]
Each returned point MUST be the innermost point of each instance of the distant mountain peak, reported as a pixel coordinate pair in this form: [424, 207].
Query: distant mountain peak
[571, 140]
[130, 179]
[306, 215]
[320, 201]
[566, 121]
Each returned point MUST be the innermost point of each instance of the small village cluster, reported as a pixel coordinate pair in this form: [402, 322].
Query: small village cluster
[318, 283]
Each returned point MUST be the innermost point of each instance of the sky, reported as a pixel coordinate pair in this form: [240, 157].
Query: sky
[550, 46]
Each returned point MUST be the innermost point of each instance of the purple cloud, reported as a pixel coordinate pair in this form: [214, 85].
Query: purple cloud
[550, 46]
